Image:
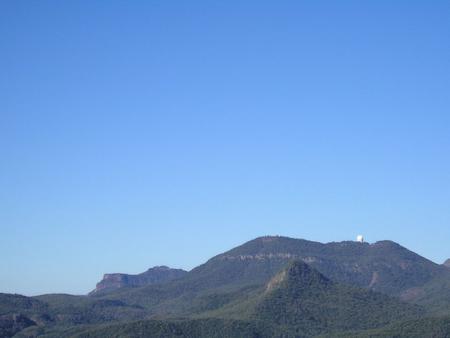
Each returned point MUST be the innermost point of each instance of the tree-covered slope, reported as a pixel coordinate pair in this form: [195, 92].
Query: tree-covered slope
[434, 327]
[197, 328]
[434, 295]
[14, 323]
[297, 302]
[303, 301]
[10, 303]
[327, 287]
[59, 310]
[383, 266]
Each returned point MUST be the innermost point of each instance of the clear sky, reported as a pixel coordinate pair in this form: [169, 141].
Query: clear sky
[142, 133]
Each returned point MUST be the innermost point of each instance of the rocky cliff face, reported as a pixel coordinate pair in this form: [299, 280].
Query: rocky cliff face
[157, 274]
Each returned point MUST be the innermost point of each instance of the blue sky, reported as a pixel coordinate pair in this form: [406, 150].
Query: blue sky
[141, 133]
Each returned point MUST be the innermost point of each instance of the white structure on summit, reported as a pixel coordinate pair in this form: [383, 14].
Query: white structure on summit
[360, 238]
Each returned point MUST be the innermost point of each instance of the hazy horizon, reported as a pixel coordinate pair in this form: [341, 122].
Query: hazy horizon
[145, 133]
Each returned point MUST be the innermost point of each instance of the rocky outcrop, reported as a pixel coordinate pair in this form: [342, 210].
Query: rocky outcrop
[155, 275]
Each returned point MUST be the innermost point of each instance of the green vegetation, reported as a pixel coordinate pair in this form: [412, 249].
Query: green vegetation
[384, 266]
[11, 324]
[208, 328]
[307, 303]
[263, 288]
[435, 295]
[425, 327]
[18, 303]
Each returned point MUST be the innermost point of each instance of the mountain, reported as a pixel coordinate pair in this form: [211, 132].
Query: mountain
[305, 302]
[297, 302]
[157, 274]
[383, 266]
[264, 287]
[447, 263]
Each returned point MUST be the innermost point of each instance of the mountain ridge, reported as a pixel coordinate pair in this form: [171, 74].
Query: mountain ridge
[347, 261]
[384, 266]
[249, 285]
[298, 302]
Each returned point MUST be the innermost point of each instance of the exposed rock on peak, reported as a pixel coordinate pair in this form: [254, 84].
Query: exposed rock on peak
[155, 275]
[447, 263]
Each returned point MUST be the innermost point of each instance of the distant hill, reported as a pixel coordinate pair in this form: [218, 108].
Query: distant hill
[447, 263]
[383, 266]
[157, 274]
[267, 287]
[301, 301]
[297, 302]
